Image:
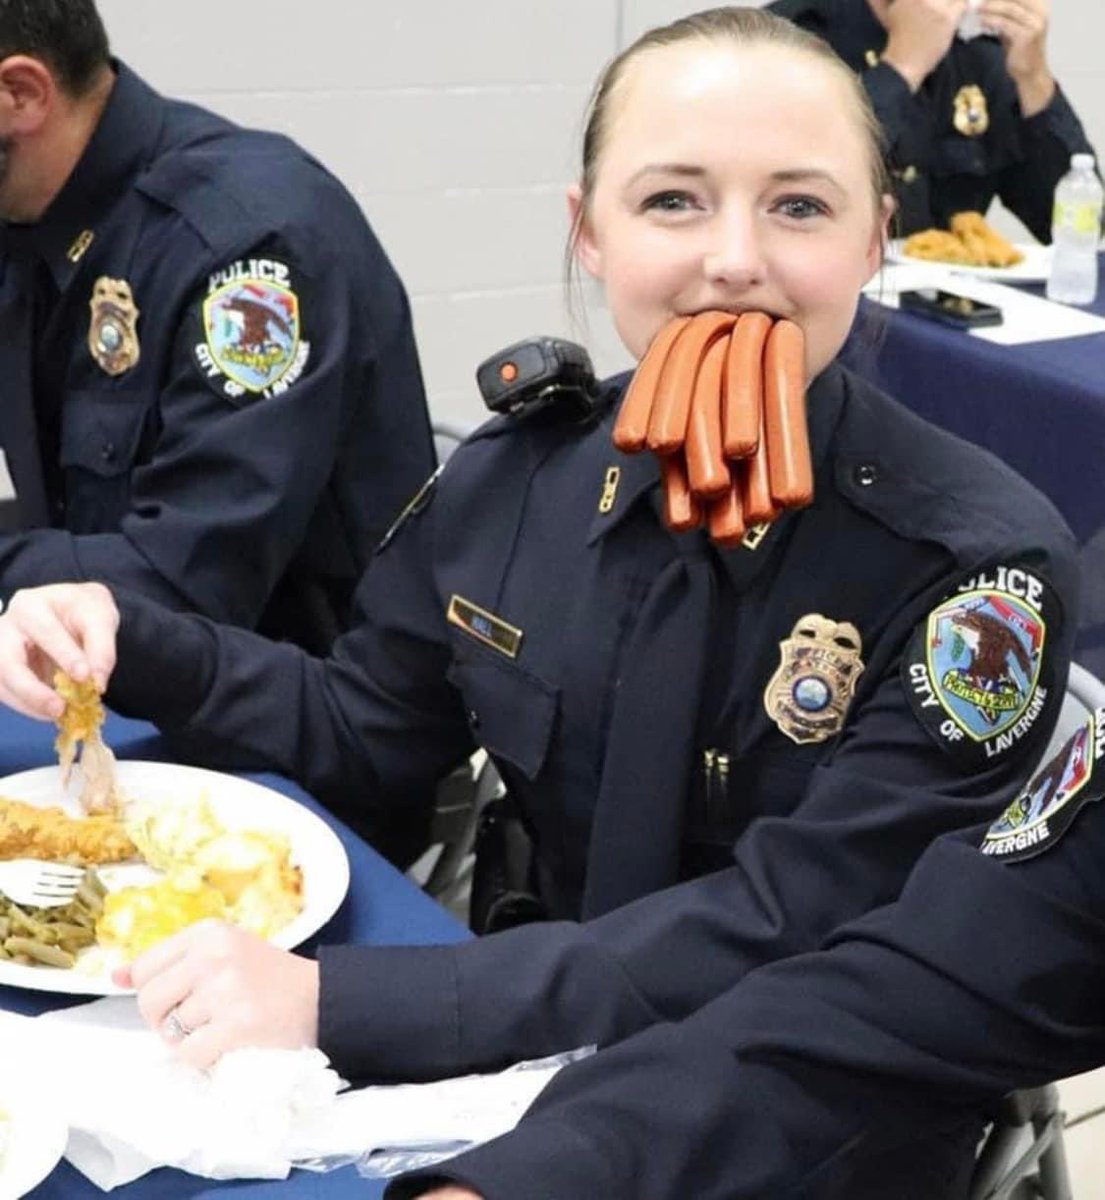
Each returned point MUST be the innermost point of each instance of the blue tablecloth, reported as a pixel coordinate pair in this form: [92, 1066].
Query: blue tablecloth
[1039, 406]
[382, 906]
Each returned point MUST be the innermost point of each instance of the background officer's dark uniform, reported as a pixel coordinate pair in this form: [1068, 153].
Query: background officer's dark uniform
[636, 657]
[250, 509]
[939, 171]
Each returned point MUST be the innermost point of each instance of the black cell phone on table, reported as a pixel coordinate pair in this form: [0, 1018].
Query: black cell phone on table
[949, 308]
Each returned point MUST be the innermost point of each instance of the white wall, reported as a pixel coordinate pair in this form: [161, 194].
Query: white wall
[456, 124]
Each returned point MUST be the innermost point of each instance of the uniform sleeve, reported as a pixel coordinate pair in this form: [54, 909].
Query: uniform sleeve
[221, 499]
[846, 848]
[896, 107]
[984, 977]
[376, 720]
[1048, 140]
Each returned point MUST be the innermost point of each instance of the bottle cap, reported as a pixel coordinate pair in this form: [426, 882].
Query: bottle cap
[1082, 162]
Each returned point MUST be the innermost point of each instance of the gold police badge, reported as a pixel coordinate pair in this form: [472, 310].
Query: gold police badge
[113, 333]
[809, 694]
[970, 114]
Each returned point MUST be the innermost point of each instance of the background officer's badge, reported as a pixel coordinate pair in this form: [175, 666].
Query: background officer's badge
[973, 670]
[1043, 812]
[113, 330]
[251, 328]
[970, 113]
[808, 696]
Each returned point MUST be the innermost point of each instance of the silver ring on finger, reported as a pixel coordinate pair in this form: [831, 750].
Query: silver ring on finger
[174, 1028]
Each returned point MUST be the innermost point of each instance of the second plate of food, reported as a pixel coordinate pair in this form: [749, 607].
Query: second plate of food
[1034, 267]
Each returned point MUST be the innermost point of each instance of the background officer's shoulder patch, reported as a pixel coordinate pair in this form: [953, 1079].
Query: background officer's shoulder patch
[250, 330]
[976, 669]
[1047, 806]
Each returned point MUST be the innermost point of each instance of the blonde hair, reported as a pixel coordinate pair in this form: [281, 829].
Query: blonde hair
[745, 27]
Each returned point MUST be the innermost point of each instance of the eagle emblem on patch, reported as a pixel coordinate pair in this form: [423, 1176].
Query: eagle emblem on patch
[1045, 809]
[252, 338]
[113, 329]
[974, 669]
[809, 694]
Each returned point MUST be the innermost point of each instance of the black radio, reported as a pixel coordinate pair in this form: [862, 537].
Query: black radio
[537, 375]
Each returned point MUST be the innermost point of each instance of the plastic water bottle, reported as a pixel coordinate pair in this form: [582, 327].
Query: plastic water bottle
[1075, 232]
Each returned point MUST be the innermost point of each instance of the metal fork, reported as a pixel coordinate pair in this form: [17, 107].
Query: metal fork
[39, 884]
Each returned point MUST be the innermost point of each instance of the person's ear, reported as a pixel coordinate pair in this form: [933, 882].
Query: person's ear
[28, 94]
[584, 244]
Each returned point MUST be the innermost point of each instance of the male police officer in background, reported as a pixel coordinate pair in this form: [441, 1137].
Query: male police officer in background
[209, 390]
[965, 119]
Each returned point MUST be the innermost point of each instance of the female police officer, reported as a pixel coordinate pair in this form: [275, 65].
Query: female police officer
[609, 666]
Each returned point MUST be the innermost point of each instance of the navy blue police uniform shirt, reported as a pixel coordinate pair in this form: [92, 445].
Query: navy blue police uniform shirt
[211, 388]
[961, 139]
[896, 652]
[986, 975]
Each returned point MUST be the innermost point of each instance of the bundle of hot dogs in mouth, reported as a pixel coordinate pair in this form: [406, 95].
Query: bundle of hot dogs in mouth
[721, 399]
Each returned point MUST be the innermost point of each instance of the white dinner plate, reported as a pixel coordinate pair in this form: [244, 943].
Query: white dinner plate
[32, 1140]
[238, 804]
[1033, 268]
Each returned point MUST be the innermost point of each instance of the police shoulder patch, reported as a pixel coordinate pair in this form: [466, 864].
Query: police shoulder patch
[252, 343]
[1045, 809]
[975, 670]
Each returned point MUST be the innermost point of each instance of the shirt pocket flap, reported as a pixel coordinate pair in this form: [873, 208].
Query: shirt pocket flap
[100, 433]
[511, 712]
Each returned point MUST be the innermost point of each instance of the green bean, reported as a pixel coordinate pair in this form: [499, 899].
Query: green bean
[24, 920]
[90, 897]
[66, 930]
[42, 952]
[92, 878]
[52, 936]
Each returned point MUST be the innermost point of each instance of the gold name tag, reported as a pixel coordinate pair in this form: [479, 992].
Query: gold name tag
[493, 631]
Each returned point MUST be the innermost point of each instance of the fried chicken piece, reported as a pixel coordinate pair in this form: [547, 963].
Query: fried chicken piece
[971, 242]
[937, 245]
[81, 721]
[985, 245]
[51, 835]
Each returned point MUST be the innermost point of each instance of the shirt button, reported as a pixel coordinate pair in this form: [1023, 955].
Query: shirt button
[909, 174]
[107, 451]
[866, 474]
[473, 718]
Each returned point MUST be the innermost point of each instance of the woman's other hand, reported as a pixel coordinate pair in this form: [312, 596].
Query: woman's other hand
[66, 626]
[213, 988]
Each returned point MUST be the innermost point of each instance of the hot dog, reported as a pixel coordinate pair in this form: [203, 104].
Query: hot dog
[707, 472]
[667, 427]
[721, 400]
[631, 428]
[681, 510]
[755, 487]
[744, 385]
[785, 429]
[725, 518]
